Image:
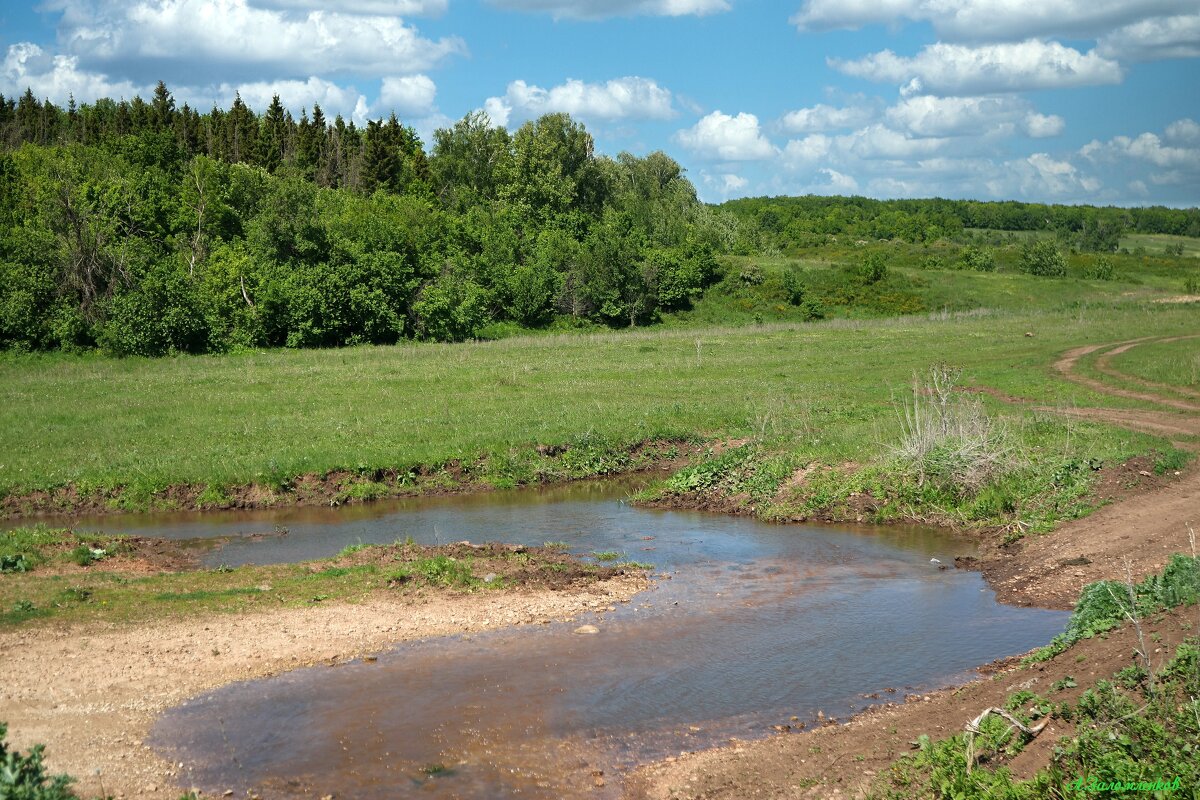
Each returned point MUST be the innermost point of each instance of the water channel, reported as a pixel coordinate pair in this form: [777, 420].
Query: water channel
[756, 624]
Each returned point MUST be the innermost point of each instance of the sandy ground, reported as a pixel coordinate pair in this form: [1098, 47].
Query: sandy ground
[93, 693]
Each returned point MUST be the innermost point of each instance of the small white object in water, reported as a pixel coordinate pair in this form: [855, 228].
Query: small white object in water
[934, 561]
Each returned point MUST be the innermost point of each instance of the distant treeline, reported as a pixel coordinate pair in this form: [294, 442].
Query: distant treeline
[807, 221]
[143, 228]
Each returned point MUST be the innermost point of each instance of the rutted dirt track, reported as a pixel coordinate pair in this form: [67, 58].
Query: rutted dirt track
[1141, 530]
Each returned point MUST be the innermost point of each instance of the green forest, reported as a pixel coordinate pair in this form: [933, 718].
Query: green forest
[143, 228]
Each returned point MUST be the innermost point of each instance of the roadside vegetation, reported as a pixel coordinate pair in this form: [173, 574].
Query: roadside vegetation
[1135, 731]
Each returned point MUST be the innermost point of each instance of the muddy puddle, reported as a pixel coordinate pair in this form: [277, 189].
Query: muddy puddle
[750, 626]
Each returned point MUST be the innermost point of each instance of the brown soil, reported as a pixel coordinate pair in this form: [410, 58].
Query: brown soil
[325, 489]
[92, 692]
[135, 554]
[1148, 518]
[845, 760]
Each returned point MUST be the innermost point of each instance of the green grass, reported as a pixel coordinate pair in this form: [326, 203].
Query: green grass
[1171, 363]
[1154, 243]
[101, 594]
[928, 278]
[265, 417]
[26, 549]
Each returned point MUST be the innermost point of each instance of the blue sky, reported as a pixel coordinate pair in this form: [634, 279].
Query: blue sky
[1062, 101]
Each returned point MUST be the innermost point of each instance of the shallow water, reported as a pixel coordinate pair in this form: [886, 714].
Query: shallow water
[757, 623]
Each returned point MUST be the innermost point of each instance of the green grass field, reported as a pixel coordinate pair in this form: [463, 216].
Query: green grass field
[1171, 363]
[264, 417]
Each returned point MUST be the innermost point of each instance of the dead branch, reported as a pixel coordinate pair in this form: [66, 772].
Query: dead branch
[972, 728]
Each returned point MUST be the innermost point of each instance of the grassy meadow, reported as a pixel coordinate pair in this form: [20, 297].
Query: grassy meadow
[831, 390]
[1171, 363]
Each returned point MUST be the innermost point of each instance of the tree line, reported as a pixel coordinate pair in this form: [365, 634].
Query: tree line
[142, 228]
[811, 220]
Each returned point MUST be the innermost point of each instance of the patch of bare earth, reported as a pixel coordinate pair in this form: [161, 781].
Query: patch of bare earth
[91, 693]
[845, 760]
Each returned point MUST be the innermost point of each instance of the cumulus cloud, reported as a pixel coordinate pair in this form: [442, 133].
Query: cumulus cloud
[232, 38]
[838, 182]
[951, 69]
[602, 9]
[821, 118]
[407, 94]
[27, 66]
[1147, 147]
[1041, 175]
[972, 20]
[723, 137]
[1153, 39]
[295, 95]
[928, 115]
[1186, 131]
[394, 8]
[723, 184]
[800, 153]
[628, 98]
[880, 141]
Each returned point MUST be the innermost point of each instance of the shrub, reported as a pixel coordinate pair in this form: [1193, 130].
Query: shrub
[1043, 258]
[980, 259]
[1099, 270]
[871, 270]
[23, 777]
[948, 438]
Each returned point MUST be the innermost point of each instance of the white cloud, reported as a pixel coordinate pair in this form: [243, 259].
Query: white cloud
[721, 137]
[408, 94]
[1152, 39]
[951, 69]
[724, 184]
[622, 98]
[57, 77]
[821, 118]
[602, 9]
[1146, 147]
[880, 141]
[1040, 126]
[392, 8]
[972, 20]
[839, 183]
[497, 111]
[998, 115]
[800, 153]
[295, 95]
[1186, 131]
[230, 37]
[1041, 175]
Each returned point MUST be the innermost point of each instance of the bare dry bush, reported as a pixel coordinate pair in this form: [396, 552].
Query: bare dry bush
[948, 438]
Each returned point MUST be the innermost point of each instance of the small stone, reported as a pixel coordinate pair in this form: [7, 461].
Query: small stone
[586, 630]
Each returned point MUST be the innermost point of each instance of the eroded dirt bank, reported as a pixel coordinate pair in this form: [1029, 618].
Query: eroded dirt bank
[92, 693]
